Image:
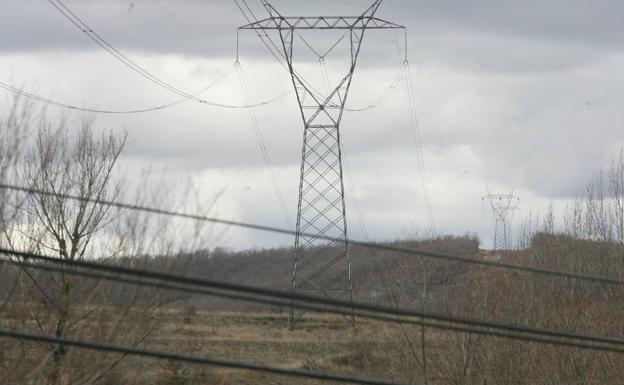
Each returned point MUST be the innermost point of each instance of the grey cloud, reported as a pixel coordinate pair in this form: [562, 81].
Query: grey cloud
[598, 22]
[176, 27]
[481, 33]
[508, 93]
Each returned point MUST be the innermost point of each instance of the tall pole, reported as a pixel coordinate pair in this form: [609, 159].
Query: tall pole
[502, 206]
[320, 266]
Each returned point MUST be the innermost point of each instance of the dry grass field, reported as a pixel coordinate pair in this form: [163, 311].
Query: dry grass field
[319, 342]
[328, 343]
[324, 343]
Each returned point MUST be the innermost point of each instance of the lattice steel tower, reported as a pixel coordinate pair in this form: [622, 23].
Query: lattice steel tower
[502, 205]
[321, 265]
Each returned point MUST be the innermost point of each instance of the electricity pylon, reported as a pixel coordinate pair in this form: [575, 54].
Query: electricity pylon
[502, 205]
[322, 263]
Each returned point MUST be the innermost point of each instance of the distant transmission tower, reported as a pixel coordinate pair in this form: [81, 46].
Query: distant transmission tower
[502, 205]
[320, 265]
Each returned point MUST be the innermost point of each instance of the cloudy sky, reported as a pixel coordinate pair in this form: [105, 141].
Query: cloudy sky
[524, 95]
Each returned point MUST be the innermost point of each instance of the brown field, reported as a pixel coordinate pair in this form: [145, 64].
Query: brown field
[318, 342]
[324, 343]
[208, 327]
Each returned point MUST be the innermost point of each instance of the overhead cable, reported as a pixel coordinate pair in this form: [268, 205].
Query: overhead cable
[415, 126]
[354, 196]
[56, 103]
[263, 149]
[386, 313]
[120, 56]
[377, 246]
[384, 96]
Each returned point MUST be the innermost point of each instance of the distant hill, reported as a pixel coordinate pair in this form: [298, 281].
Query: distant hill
[378, 276]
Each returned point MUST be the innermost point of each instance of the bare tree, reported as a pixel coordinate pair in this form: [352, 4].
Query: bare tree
[82, 164]
[616, 190]
[15, 125]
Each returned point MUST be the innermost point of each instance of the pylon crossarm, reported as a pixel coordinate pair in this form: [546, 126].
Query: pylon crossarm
[322, 22]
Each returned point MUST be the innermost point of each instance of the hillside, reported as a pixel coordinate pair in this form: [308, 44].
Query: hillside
[378, 276]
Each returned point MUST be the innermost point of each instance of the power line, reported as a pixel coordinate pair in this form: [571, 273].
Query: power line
[308, 307]
[378, 312]
[277, 54]
[211, 292]
[249, 9]
[354, 195]
[59, 104]
[413, 120]
[263, 148]
[428, 254]
[299, 373]
[411, 100]
[79, 23]
[384, 96]
[120, 56]
[91, 34]
[56, 103]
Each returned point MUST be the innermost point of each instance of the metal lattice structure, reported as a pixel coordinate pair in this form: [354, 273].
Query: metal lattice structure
[320, 266]
[502, 206]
